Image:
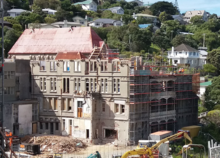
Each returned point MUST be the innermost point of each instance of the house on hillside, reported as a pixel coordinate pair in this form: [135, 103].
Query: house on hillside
[105, 23]
[189, 14]
[178, 18]
[144, 26]
[81, 20]
[116, 10]
[139, 2]
[151, 18]
[15, 12]
[49, 11]
[89, 5]
[186, 55]
[203, 87]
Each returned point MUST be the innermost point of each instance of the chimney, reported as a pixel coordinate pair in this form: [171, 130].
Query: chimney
[172, 51]
[65, 23]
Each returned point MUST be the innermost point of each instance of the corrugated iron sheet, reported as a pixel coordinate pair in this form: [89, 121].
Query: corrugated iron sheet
[80, 39]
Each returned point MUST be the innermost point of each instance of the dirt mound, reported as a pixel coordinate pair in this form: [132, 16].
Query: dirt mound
[57, 144]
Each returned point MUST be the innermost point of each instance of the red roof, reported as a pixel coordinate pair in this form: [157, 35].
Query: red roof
[80, 39]
[70, 56]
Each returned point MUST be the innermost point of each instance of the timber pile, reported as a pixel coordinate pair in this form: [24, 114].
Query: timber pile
[59, 144]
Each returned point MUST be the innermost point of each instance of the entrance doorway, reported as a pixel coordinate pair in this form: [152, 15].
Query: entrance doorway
[87, 134]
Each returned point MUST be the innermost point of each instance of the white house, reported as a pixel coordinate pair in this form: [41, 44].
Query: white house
[49, 11]
[184, 54]
[16, 12]
[88, 5]
[105, 23]
[146, 16]
[190, 14]
[116, 10]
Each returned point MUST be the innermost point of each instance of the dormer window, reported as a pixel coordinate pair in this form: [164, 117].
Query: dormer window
[186, 53]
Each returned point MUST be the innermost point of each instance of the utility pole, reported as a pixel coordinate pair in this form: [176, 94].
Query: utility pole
[203, 40]
[2, 103]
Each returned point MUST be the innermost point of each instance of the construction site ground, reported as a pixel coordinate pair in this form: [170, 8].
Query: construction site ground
[73, 148]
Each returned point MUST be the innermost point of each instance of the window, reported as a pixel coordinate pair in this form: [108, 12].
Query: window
[79, 108]
[91, 65]
[57, 125]
[78, 84]
[106, 85]
[46, 124]
[118, 85]
[63, 125]
[41, 84]
[55, 84]
[12, 74]
[102, 85]
[44, 103]
[186, 53]
[95, 66]
[180, 52]
[63, 104]
[51, 84]
[77, 66]
[55, 104]
[45, 84]
[6, 74]
[122, 109]
[116, 108]
[91, 84]
[41, 125]
[66, 85]
[104, 66]
[114, 85]
[50, 104]
[66, 66]
[75, 84]
[53, 66]
[87, 84]
[42, 66]
[194, 53]
[95, 85]
[103, 107]
[69, 105]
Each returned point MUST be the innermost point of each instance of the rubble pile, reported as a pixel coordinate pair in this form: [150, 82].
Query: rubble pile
[60, 144]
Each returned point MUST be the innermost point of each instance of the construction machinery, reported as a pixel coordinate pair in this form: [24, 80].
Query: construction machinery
[150, 151]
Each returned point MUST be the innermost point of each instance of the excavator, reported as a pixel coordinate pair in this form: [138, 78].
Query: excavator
[149, 151]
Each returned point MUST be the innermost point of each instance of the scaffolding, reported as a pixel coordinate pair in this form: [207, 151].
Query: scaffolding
[162, 97]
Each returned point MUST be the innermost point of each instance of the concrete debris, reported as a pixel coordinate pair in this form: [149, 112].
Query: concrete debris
[55, 143]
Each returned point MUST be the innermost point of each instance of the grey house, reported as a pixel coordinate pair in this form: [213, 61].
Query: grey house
[106, 23]
[116, 10]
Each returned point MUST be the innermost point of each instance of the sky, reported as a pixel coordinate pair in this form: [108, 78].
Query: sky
[212, 6]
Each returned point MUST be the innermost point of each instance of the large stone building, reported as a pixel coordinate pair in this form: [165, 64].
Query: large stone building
[85, 90]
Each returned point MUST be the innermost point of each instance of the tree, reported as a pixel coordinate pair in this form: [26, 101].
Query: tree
[210, 68]
[186, 39]
[50, 19]
[212, 94]
[213, 116]
[164, 17]
[162, 6]
[197, 20]
[161, 41]
[107, 14]
[52, 4]
[214, 58]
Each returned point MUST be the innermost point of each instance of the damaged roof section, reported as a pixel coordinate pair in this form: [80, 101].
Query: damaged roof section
[45, 41]
[70, 56]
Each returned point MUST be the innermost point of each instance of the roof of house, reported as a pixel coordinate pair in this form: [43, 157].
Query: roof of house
[185, 48]
[55, 40]
[16, 11]
[203, 52]
[70, 56]
[205, 84]
[195, 12]
[105, 21]
[84, 2]
[115, 8]
[68, 22]
[148, 4]
[145, 15]
[5, 22]
[49, 10]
